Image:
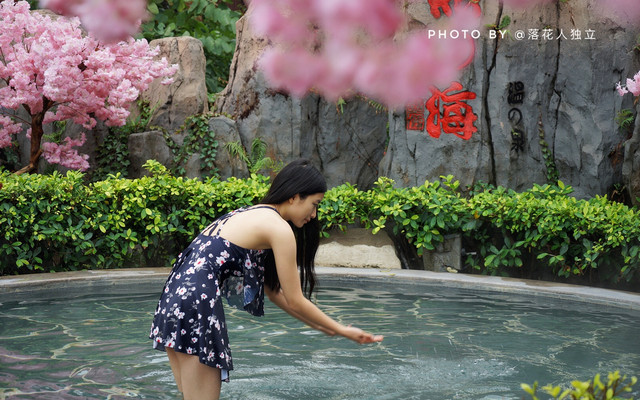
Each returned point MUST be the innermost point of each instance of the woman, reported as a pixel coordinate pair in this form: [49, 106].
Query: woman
[261, 247]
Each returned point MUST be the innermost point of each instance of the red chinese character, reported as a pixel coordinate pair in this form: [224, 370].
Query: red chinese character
[436, 5]
[414, 117]
[449, 113]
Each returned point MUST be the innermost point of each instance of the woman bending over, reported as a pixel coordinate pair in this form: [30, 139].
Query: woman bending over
[248, 252]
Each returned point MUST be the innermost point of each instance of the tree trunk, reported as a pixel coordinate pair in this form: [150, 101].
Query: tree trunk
[36, 138]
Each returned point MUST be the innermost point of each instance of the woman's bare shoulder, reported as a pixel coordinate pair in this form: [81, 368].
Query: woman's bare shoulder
[271, 222]
[257, 227]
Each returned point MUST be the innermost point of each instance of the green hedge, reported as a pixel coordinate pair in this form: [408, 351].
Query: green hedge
[542, 232]
[57, 223]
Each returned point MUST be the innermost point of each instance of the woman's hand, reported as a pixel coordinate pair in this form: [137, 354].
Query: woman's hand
[360, 336]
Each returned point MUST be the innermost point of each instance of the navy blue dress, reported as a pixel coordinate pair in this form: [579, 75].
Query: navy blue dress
[189, 317]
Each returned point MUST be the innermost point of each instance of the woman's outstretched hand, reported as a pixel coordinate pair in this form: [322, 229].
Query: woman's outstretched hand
[360, 336]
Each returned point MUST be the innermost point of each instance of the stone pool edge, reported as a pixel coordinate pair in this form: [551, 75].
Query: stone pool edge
[37, 282]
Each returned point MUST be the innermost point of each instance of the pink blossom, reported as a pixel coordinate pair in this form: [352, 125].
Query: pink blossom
[382, 20]
[7, 129]
[108, 20]
[273, 19]
[339, 48]
[621, 90]
[633, 86]
[277, 66]
[625, 11]
[81, 78]
[65, 154]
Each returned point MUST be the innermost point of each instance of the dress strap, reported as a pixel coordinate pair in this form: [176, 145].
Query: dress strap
[264, 206]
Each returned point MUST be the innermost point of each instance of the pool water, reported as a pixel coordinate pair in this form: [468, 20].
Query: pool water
[440, 343]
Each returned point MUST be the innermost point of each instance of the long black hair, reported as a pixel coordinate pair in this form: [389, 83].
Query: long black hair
[302, 178]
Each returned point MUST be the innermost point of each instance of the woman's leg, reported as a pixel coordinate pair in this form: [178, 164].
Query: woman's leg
[175, 367]
[195, 380]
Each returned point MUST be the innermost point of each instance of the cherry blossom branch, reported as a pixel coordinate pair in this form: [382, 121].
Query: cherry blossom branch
[335, 64]
[108, 20]
[342, 48]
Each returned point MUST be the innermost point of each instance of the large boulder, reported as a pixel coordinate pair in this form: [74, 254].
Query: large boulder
[631, 165]
[535, 109]
[543, 105]
[226, 131]
[171, 105]
[145, 146]
[187, 95]
[346, 141]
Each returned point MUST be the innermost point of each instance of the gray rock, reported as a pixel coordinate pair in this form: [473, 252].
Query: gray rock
[226, 132]
[145, 146]
[187, 95]
[567, 109]
[193, 166]
[631, 165]
[345, 142]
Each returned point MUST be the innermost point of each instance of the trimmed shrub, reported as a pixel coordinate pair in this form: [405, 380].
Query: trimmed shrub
[60, 223]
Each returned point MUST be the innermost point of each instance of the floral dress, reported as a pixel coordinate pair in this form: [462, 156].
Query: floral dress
[189, 317]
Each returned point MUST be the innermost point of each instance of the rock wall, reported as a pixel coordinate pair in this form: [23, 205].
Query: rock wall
[346, 142]
[533, 109]
[631, 165]
[532, 96]
[544, 107]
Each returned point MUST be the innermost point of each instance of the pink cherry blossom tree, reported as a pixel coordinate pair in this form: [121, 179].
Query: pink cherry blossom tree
[55, 72]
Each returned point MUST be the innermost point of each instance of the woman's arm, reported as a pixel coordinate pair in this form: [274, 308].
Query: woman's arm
[292, 300]
[278, 299]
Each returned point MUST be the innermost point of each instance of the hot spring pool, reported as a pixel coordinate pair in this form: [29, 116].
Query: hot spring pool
[441, 342]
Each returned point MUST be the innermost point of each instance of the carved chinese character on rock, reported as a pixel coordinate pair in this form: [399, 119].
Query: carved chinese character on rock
[516, 96]
[449, 112]
[516, 93]
[415, 117]
[517, 134]
[447, 7]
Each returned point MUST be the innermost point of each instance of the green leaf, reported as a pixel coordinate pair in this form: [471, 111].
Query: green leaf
[527, 388]
[22, 262]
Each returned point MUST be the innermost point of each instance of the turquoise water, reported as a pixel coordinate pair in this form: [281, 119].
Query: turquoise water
[440, 343]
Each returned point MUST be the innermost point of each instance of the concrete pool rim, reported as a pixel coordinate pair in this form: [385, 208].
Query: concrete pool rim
[10, 286]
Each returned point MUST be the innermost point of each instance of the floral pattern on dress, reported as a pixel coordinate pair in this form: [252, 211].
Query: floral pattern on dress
[189, 317]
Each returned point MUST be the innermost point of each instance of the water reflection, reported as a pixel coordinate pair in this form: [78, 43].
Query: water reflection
[440, 343]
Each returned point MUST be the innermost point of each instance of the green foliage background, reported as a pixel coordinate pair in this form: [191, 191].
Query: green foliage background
[213, 22]
[58, 223]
